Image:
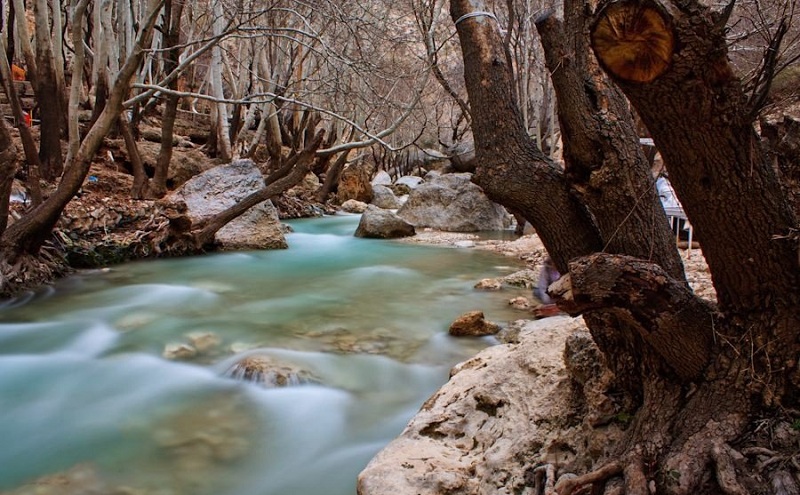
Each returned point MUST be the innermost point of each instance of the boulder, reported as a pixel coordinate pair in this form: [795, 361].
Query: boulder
[473, 324]
[222, 187]
[382, 178]
[503, 412]
[409, 181]
[183, 166]
[383, 197]
[307, 188]
[377, 223]
[354, 183]
[489, 284]
[451, 202]
[462, 157]
[353, 206]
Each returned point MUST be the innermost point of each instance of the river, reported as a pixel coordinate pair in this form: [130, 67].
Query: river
[86, 394]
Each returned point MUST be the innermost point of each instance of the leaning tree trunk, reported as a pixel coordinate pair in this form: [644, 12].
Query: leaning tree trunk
[699, 368]
[27, 235]
[514, 172]
[289, 175]
[8, 167]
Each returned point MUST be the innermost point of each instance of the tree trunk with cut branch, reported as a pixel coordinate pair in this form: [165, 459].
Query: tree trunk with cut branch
[705, 373]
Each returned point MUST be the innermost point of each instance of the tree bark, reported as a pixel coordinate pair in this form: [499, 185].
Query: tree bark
[173, 13]
[604, 162]
[714, 159]
[725, 183]
[513, 171]
[49, 99]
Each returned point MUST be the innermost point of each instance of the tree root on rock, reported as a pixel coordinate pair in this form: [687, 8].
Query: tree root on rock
[545, 481]
[723, 457]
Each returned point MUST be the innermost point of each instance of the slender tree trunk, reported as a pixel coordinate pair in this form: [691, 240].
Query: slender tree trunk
[8, 168]
[220, 124]
[332, 177]
[51, 110]
[173, 14]
[28, 143]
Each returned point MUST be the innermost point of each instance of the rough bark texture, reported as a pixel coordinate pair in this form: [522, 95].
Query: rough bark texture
[604, 162]
[172, 18]
[697, 114]
[704, 373]
[512, 170]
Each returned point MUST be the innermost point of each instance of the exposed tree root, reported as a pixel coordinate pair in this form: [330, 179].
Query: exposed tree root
[570, 485]
[723, 456]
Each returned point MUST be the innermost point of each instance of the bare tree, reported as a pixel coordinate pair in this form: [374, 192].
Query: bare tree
[26, 236]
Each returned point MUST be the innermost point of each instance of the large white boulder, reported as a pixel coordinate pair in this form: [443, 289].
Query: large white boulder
[220, 188]
[502, 413]
[451, 202]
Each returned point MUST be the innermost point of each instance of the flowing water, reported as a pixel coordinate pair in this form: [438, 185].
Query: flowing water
[85, 392]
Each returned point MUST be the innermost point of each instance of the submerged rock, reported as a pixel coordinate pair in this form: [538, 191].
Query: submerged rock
[178, 352]
[269, 372]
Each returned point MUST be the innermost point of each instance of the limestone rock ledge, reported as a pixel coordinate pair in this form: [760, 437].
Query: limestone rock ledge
[503, 412]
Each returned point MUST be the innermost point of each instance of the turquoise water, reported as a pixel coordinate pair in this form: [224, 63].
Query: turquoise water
[85, 391]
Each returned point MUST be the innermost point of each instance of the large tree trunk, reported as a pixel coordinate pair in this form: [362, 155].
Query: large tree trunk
[514, 172]
[704, 372]
[604, 162]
